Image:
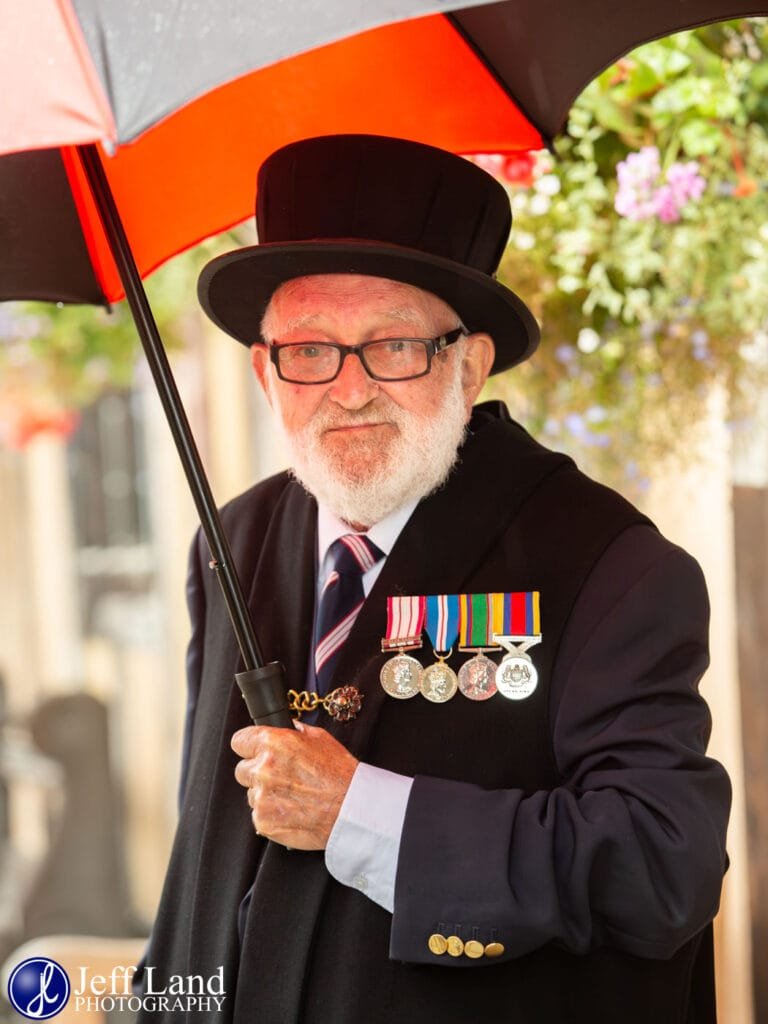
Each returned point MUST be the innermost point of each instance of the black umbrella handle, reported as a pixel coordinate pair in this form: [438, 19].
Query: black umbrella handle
[263, 686]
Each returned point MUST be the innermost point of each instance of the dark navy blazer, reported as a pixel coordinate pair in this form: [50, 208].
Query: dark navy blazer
[582, 828]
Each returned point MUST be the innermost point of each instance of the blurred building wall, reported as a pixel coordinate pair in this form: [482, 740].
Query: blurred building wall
[693, 508]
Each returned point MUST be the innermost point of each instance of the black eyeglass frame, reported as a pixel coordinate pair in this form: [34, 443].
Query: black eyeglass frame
[433, 347]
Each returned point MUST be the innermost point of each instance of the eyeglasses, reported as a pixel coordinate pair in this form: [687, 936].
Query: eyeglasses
[320, 362]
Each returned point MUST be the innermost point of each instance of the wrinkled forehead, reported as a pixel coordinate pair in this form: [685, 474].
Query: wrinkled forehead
[320, 300]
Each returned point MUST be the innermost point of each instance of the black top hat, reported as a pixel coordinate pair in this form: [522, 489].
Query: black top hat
[366, 204]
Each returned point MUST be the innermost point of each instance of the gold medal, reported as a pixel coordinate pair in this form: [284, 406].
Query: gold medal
[438, 682]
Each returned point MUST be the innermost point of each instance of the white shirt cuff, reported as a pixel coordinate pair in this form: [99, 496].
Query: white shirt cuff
[364, 844]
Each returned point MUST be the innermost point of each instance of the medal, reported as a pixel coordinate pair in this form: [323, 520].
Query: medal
[401, 675]
[439, 683]
[516, 676]
[477, 677]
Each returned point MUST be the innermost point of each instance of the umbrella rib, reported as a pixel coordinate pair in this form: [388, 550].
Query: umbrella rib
[474, 46]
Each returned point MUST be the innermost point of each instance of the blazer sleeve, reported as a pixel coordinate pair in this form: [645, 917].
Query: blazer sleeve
[196, 606]
[629, 850]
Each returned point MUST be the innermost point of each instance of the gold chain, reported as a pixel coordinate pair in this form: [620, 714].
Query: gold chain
[301, 701]
[342, 704]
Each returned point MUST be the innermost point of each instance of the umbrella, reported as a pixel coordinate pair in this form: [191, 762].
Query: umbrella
[131, 131]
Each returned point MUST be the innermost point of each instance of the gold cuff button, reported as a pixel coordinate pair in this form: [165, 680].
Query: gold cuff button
[437, 944]
[455, 945]
[474, 949]
[494, 949]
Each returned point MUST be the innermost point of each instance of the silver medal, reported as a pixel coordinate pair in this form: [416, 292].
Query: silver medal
[477, 678]
[516, 676]
[400, 676]
[439, 683]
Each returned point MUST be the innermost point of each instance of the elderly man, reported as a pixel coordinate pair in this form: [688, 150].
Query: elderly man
[536, 838]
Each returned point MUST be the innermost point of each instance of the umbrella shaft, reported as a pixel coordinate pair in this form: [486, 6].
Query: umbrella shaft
[221, 560]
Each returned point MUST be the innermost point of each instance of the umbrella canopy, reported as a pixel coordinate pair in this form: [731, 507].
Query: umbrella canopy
[149, 84]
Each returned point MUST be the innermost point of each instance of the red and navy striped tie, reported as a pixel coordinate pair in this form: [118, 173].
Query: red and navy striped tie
[342, 598]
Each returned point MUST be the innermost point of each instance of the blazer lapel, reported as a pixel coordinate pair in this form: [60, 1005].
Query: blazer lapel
[282, 593]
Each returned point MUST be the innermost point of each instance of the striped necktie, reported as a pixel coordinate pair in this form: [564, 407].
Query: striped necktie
[342, 598]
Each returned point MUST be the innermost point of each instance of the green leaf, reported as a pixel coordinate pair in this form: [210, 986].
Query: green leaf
[611, 115]
[642, 80]
[667, 57]
[699, 137]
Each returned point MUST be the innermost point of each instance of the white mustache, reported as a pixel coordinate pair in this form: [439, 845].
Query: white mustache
[331, 418]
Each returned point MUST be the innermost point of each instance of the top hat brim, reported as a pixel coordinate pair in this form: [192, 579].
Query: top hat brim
[235, 289]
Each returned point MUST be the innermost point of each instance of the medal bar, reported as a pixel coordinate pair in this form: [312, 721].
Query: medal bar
[439, 682]
[400, 676]
[477, 677]
[516, 675]
[482, 623]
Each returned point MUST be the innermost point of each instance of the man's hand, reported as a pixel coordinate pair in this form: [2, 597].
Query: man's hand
[296, 781]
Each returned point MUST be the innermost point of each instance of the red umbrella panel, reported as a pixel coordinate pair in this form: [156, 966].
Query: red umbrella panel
[194, 174]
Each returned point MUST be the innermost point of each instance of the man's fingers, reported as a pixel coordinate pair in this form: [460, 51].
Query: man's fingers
[254, 769]
[247, 742]
[256, 739]
[295, 781]
[243, 773]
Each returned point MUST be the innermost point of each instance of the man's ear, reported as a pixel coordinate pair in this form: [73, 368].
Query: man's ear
[477, 359]
[260, 364]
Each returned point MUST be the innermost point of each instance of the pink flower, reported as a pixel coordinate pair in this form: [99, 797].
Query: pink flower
[686, 181]
[637, 176]
[643, 193]
[665, 204]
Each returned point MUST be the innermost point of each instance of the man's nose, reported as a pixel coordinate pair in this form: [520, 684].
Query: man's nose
[353, 388]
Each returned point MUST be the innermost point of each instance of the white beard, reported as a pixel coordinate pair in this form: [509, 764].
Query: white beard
[416, 462]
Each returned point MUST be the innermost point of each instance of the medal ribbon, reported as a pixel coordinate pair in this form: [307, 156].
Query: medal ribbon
[476, 620]
[520, 613]
[442, 620]
[483, 615]
[405, 618]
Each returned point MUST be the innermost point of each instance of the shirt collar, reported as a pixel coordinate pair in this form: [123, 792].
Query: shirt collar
[383, 534]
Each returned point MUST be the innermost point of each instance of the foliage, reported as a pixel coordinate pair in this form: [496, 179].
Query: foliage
[643, 250]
